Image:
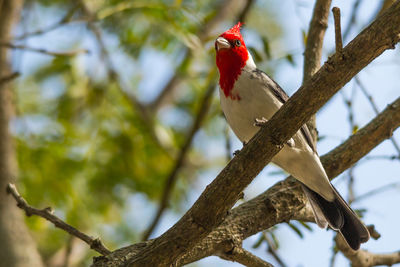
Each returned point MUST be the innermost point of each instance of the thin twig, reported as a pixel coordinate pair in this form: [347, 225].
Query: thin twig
[68, 251]
[114, 76]
[350, 186]
[332, 261]
[376, 110]
[384, 157]
[10, 77]
[272, 250]
[228, 146]
[243, 15]
[338, 30]
[376, 191]
[353, 19]
[63, 21]
[47, 213]
[349, 105]
[170, 181]
[245, 257]
[45, 51]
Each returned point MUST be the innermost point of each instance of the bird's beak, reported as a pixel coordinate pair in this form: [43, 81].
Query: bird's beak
[221, 43]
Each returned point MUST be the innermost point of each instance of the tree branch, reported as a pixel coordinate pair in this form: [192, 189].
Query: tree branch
[285, 200]
[364, 258]
[315, 38]
[114, 76]
[217, 199]
[9, 77]
[45, 51]
[63, 21]
[244, 257]
[338, 30]
[353, 18]
[46, 213]
[313, 50]
[376, 110]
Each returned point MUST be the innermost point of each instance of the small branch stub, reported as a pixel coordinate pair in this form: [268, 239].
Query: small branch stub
[338, 30]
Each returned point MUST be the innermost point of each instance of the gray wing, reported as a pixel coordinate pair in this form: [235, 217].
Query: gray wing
[283, 97]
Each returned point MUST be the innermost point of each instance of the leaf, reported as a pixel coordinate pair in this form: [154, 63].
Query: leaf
[289, 58]
[360, 212]
[260, 240]
[305, 225]
[355, 129]
[304, 34]
[274, 239]
[296, 230]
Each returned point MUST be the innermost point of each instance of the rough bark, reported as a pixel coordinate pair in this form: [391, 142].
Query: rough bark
[315, 38]
[17, 248]
[214, 204]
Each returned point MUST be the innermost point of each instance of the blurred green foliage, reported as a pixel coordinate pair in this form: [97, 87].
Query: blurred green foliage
[82, 147]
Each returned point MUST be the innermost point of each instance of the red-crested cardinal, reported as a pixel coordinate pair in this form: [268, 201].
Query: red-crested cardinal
[249, 97]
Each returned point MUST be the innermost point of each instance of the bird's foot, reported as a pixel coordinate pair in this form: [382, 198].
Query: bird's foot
[236, 152]
[260, 122]
[290, 142]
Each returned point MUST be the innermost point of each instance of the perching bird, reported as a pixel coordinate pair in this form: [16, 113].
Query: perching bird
[249, 97]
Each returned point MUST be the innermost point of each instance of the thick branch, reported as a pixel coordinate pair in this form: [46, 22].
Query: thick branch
[215, 202]
[94, 243]
[285, 200]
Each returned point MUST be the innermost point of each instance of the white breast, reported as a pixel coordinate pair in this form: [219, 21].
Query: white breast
[250, 99]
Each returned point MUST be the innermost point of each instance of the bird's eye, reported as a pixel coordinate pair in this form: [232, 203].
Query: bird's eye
[237, 42]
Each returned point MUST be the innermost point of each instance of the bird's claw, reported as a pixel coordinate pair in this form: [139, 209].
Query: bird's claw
[260, 122]
[236, 152]
[290, 142]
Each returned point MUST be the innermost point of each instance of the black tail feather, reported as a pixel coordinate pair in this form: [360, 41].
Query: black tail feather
[340, 217]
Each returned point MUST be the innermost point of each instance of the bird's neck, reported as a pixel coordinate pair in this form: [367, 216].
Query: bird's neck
[230, 71]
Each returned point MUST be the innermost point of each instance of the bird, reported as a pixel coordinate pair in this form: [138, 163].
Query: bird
[248, 98]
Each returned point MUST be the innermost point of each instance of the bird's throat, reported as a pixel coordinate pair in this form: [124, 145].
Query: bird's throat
[230, 67]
